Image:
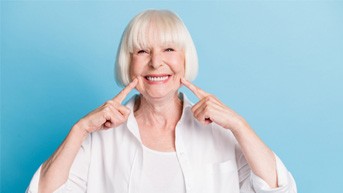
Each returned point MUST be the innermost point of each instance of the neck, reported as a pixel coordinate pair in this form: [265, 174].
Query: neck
[162, 113]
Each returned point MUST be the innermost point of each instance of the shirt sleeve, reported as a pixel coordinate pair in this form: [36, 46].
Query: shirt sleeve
[251, 183]
[78, 175]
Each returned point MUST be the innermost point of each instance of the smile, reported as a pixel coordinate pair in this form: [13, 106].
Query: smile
[157, 78]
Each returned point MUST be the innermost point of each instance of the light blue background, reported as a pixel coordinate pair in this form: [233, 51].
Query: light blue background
[279, 64]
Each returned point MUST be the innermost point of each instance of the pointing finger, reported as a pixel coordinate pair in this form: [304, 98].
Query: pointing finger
[196, 90]
[122, 95]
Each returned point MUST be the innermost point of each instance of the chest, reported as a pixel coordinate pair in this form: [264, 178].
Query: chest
[159, 139]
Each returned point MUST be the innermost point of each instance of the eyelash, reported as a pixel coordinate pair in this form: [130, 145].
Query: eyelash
[169, 50]
[144, 51]
[141, 52]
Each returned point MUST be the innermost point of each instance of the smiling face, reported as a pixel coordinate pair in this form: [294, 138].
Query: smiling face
[159, 68]
[156, 48]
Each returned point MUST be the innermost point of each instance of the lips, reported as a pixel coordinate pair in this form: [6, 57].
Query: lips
[157, 78]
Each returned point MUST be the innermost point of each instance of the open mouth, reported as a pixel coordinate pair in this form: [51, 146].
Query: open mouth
[157, 78]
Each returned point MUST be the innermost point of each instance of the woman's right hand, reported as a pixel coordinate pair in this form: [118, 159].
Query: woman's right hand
[55, 170]
[109, 115]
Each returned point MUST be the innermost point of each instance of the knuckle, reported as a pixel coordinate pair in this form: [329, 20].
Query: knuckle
[107, 110]
[208, 103]
[127, 111]
[210, 97]
[207, 108]
[207, 111]
[122, 118]
[194, 112]
[108, 103]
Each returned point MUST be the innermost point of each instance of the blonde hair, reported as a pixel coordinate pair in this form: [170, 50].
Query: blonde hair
[167, 28]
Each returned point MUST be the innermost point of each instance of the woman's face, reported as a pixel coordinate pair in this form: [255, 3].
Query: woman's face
[159, 69]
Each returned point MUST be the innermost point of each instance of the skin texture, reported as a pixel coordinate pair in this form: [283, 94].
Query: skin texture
[158, 60]
[159, 108]
[157, 112]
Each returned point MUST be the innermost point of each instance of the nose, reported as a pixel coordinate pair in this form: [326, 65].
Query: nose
[156, 60]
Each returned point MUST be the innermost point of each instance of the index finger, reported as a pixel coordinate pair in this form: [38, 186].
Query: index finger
[196, 90]
[122, 95]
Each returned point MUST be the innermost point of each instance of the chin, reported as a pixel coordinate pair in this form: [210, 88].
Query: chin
[159, 94]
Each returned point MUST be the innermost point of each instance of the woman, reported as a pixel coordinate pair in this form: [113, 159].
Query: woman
[159, 141]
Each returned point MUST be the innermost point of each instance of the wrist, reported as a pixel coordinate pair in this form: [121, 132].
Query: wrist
[240, 127]
[79, 130]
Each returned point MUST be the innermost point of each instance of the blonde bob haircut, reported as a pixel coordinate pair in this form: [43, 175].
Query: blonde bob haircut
[155, 26]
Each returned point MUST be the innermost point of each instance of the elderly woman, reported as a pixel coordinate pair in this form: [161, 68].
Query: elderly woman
[159, 141]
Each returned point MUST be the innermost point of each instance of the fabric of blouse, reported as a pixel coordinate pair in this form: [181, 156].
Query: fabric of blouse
[209, 155]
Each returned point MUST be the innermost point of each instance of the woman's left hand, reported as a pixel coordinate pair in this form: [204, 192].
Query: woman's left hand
[259, 157]
[210, 109]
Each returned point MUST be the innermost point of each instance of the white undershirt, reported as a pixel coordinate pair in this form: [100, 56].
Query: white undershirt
[161, 172]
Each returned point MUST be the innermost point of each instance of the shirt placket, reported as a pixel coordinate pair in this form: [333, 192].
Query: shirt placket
[183, 158]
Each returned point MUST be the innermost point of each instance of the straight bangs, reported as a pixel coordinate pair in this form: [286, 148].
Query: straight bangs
[154, 29]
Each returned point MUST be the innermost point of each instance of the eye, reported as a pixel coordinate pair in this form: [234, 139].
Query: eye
[169, 50]
[141, 52]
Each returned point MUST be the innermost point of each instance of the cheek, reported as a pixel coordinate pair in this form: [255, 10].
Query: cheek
[181, 66]
[134, 73]
[140, 85]
[135, 70]
[178, 65]
[136, 67]
[180, 70]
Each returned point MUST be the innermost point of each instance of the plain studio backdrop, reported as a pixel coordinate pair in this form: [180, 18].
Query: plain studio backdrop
[277, 63]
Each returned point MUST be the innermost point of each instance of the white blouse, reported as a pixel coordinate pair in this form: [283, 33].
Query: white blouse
[209, 157]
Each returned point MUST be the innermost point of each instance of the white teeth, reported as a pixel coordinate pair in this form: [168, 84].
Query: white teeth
[156, 79]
